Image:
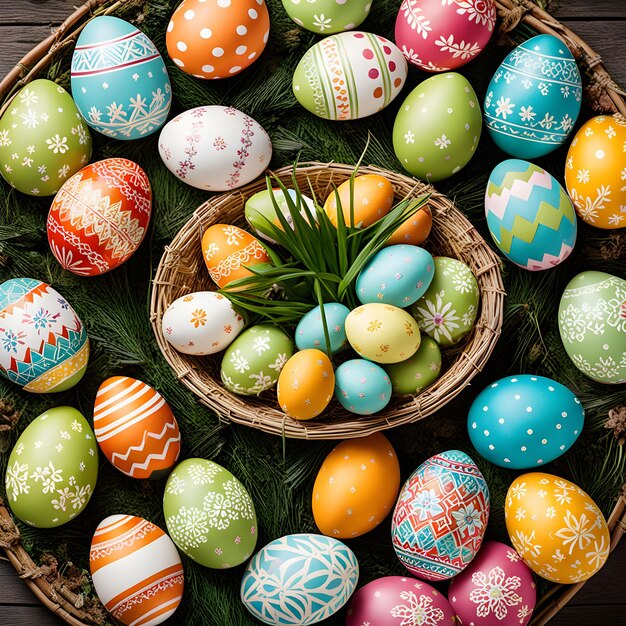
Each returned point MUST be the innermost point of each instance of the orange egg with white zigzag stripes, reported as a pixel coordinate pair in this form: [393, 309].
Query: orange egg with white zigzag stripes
[135, 428]
[136, 570]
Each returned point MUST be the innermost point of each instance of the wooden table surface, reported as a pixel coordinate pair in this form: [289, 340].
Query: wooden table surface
[602, 24]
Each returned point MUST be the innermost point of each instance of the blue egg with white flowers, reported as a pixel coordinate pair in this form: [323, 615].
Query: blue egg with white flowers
[524, 421]
[362, 387]
[310, 329]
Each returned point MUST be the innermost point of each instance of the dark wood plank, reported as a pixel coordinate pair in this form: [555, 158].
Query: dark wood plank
[14, 590]
[28, 616]
[16, 41]
[37, 11]
[585, 9]
[591, 615]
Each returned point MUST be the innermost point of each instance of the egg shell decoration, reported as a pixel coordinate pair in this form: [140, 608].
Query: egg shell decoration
[524, 421]
[556, 528]
[382, 333]
[254, 361]
[99, 217]
[438, 36]
[417, 372]
[215, 148]
[356, 486]
[497, 587]
[437, 128]
[533, 99]
[52, 470]
[326, 17]
[441, 516]
[362, 387]
[310, 329]
[398, 275]
[43, 139]
[349, 76]
[399, 601]
[306, 384]
[529, 215]
[228, 251]
[209, 514]
[415, 229]
[598, 348]
[219, 38]
[136, 570]
[364, 200]
[201, 323]
[299, 580]
[135, 428]
[448, 309]
[595, 170]
[44, 345]
[119, 81]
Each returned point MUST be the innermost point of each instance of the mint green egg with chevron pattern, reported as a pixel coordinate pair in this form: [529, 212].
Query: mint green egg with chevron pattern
[530, 216]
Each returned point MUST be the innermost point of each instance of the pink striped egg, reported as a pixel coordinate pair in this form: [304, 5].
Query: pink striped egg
[135, 428]
[136, 570]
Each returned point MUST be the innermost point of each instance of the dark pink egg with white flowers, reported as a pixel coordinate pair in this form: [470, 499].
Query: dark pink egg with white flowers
[497, 587]
[441, 35]
[399, 601]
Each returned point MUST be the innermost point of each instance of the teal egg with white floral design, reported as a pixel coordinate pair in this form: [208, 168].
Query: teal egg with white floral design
[447, 311]
[592, 323]
[53, 468]
[209, 514]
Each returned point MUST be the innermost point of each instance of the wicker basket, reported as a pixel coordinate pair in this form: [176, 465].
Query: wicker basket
[602, 94]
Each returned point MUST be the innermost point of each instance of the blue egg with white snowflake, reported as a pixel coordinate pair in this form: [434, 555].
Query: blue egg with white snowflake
[398, 275]
[310, 329]
[524, 421]
[533, 99]
[362, 387]
[119, 80]
[299, 580]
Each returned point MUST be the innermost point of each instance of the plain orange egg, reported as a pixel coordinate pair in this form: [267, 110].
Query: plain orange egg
[414, 230]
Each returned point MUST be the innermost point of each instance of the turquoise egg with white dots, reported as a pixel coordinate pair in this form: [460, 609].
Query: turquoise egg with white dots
[362, 387]
[524, 421]
[310, 329]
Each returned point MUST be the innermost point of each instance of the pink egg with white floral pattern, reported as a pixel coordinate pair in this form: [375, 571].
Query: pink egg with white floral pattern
[497, 587]
[441, 35]
[399, 601]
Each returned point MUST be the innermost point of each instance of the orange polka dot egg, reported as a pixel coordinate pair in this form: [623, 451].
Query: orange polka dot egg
[217, 38]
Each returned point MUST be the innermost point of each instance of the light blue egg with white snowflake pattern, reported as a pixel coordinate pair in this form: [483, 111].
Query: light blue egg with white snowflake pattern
[119, 80]
[310, 329]
[362, 387]
[299, 580]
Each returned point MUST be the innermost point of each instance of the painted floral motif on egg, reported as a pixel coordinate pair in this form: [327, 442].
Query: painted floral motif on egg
[328, 16]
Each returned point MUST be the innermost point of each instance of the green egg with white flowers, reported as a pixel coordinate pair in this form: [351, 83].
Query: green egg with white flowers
[326, 17]
[417, 372]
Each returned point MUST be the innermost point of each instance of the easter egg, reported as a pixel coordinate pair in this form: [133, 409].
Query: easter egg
[201, 323]
[524, 421]
[398, 275]
[310, 329]
[306, 384]
[219, 38]
[414, 230]
[135, 428]
[595, 170]
[382, 333]
[437, 127]
[228, 251]
[99, 217]
[52, 470]
[254, 361]
[496, 585]
[529, 215]
[349, 76]
[362, 387]
[136, 570]
[356, 486]
[209, 514]
[556, 528]
[533, 99]
[417, 372]
[215, 148]
[119, 81]
[448, 309]
[592, 323]
[363, 201]
[312, 578]
[441, 516]
[43, 344]
[438, 36]
[43, 139]
[326, 17]
[399, 601]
